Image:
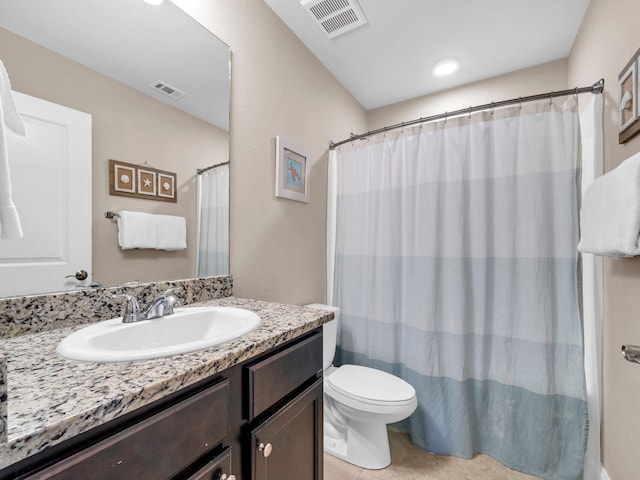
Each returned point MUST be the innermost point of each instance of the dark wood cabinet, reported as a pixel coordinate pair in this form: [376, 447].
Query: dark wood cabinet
[159, 446]
[288, 444]
[211, 430]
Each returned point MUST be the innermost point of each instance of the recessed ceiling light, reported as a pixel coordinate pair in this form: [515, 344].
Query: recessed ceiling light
[154, 2]
[446, 67]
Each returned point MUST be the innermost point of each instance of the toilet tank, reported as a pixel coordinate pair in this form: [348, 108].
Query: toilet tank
[329, 334]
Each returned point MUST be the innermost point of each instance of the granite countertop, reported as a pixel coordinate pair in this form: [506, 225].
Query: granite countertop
[51, 399]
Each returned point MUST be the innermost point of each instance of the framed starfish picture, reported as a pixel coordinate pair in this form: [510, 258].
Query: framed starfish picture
[141, 181]
[146, 182]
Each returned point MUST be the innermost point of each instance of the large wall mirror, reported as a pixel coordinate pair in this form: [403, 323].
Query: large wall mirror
[107, 58]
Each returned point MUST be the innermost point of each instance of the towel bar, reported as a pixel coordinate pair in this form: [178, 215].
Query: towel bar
[109, 214]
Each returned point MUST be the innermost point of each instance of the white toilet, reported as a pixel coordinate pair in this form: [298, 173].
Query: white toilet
[359, 402]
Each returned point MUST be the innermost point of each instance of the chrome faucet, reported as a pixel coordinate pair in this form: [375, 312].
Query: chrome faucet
[161, 306]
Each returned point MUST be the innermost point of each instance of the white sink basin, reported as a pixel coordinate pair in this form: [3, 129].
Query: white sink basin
[187, 330]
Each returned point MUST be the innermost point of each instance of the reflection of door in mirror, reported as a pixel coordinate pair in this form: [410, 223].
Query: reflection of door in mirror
[51, 182]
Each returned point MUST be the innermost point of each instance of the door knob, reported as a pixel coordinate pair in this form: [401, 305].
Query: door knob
[265, 449]
[224, 476]
[79, 275]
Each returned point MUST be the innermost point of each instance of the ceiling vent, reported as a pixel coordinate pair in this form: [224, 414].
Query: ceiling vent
[167, 89]
[335, 17]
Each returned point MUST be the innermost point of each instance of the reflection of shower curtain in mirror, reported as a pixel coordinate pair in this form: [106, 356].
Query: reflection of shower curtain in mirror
[213, 222]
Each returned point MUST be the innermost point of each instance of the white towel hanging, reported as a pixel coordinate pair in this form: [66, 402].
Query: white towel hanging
[171, 232]
[136, 230]
[610, 214]
[145, 230]
[10, 227]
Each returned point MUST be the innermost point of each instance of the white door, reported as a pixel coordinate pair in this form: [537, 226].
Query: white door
[51, 179]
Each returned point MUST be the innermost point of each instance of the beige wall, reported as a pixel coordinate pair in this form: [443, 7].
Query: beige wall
[605, 43]
[127, 126]
[530, 81]
[278, 88]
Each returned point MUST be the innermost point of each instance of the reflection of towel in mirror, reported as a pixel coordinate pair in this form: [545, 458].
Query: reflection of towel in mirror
[172, 232]
[610, 214]
[9, 119]
[145, 230]
[136, 230]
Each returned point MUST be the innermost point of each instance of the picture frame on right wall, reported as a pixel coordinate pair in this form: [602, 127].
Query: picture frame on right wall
[293, 166]
[628, 105]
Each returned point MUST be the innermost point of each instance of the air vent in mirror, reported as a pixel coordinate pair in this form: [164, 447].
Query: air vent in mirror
[167, 89]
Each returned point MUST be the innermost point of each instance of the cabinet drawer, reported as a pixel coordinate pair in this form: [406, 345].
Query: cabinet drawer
[273, 378]
[214, 470]
[156, 447]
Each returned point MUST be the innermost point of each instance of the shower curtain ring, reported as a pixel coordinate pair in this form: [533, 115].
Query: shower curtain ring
[551, 98]
[493, 104]
[446, 115]
[520, 103]
[470, 108]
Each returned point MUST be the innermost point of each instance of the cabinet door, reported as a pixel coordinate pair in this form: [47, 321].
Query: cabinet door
[288, 445]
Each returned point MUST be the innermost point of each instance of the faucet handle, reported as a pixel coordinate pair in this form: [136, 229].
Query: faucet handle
[132, 310]
[171, 301]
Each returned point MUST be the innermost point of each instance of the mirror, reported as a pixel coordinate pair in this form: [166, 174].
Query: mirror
[69, 53]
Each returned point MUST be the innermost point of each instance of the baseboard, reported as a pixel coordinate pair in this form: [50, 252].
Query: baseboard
[604, 475]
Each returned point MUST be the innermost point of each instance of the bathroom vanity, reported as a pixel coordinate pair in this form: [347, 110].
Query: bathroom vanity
[249, 408]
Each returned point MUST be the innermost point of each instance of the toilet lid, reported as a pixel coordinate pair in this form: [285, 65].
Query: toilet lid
[370, 385]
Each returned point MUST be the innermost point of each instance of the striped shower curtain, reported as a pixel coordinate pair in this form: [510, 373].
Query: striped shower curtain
[456, 269]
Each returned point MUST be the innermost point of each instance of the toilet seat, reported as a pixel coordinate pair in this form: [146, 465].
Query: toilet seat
[369, 386]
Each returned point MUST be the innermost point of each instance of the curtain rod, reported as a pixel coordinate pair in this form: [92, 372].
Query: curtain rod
[596, 88]
[200, 171]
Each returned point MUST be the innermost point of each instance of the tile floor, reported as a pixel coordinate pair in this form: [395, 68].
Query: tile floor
[411, 463]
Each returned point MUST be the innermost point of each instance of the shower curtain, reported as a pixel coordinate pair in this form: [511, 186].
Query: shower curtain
[213, 222]
[592, 146]
[452, 256]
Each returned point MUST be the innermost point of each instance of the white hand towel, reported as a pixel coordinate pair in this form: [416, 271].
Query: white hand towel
[9, 119]
[136, 230]
[172, 232]
[610, 214]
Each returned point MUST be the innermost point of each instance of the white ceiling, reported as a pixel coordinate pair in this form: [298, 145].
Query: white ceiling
[134, 43]
[390, 59]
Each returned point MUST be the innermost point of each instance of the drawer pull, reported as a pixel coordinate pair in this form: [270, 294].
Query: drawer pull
[224, 476]
[265, 449]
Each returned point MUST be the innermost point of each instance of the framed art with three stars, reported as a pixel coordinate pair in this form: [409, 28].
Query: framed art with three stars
[141, 181]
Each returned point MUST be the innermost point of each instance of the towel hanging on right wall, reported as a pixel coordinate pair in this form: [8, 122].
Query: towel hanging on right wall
[610, 214]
